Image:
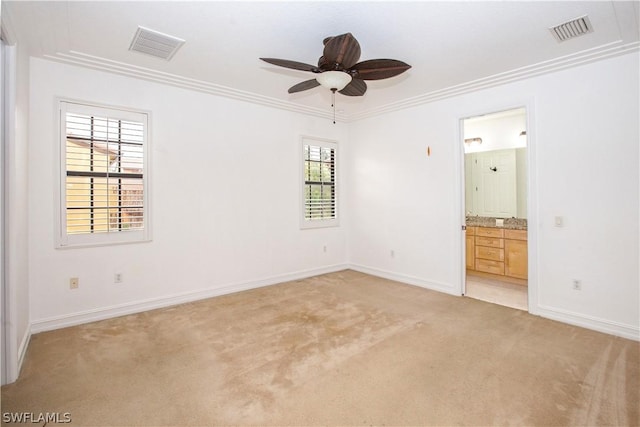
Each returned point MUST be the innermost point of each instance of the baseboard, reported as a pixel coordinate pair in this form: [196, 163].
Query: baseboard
[103, 313]
[577, 319]
[571, 318]
[589, 322]
[22, 349]
[403, 278]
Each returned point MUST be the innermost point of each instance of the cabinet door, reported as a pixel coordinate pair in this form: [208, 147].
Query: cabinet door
[516, 258]
[471, 252]
[515, 234]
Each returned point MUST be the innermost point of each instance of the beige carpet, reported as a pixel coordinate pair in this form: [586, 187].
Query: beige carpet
[339, 349]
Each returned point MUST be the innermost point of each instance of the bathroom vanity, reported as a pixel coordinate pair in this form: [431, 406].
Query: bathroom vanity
[498, 250]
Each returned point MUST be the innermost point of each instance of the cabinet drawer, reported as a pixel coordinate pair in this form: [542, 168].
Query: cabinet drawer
[490, 253]
[488, 266]
[471, 231]
[515, 234]
[489, 232]
[493, 242]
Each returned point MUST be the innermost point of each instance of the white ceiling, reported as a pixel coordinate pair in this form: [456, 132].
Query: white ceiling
[452, 46]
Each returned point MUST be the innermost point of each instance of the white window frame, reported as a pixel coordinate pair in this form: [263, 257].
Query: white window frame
[65, 240]
[306, 223]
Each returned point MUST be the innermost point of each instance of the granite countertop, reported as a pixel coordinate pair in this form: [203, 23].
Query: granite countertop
[509, 223]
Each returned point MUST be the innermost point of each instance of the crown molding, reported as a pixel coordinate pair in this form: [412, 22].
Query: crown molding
[605, 51]
[121, 68]
[7, 31]
[608, 50]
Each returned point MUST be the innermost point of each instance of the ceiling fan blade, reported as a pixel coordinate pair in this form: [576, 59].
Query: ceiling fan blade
[342, 50]
[357, 87]
[307, 84]
[378, 69]
[292, 64]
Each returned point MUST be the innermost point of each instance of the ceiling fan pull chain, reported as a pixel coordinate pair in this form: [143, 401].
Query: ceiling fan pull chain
[333, 104]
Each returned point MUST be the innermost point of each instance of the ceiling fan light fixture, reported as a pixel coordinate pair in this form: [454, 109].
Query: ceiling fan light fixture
[334, 79]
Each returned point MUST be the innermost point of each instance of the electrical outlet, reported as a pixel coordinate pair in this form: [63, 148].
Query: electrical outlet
[577, 285]
[324, 248]
[117, 278]
[393, 253]
[74, 283]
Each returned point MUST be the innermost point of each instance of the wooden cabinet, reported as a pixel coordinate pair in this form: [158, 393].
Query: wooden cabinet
[489, 232]
[497, 251]
[516, 255]
[470, 247]
[490, 250]
[494, 254]
[515, 234]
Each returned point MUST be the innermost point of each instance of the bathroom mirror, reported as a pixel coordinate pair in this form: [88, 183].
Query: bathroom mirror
[496, 165]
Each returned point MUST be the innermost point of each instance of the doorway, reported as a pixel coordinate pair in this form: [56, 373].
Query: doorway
[3, 347]
[496, 240]
[8, 335]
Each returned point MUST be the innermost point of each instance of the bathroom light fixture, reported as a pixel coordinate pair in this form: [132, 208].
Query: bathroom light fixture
[473, 141]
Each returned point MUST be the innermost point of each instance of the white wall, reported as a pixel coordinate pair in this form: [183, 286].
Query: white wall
[225, 178]
[583, 137]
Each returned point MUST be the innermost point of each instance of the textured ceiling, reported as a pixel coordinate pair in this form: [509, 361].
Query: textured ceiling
[452, 46]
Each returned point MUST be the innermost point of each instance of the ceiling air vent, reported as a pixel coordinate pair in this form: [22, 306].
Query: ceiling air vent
[571, 29]
[155, 44]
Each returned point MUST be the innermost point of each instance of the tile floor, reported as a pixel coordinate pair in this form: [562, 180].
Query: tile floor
[497, 292]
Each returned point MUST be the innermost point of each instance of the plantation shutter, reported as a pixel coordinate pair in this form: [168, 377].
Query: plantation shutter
[103, 171]
[319, 182]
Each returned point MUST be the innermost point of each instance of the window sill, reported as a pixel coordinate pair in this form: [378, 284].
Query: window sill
[93, 240]
[307, 224]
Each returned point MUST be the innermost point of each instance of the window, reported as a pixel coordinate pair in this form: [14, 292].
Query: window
[319, 183]
[103, 181]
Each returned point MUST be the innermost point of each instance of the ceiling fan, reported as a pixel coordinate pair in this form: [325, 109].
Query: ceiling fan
[338, 68]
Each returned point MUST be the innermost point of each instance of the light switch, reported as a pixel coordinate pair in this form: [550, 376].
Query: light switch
[559, 221]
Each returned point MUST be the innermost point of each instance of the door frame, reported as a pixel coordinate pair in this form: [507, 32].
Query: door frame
[9, 346]
[3, 334]
[532, 194]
